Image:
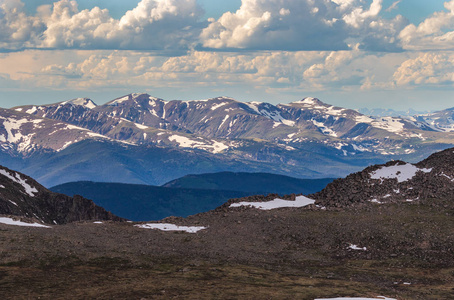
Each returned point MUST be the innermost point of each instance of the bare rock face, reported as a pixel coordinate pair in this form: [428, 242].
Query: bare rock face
[22, 196]
[395, 181]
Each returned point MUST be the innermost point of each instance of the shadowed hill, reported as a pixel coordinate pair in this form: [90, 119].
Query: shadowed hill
[261, 183]
[22, 196]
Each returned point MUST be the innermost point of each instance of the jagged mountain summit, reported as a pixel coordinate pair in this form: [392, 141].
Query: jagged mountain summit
[23, 197]
[306, 138]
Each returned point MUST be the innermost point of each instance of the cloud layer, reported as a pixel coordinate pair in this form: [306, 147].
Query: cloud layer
[176, 24]
[270, 46]
[273, 70]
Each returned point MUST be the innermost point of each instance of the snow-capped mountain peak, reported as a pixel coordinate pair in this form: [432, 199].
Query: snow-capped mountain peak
[309, 101]
[85, 102]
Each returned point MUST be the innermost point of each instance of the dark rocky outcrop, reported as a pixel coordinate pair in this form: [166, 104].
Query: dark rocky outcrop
[434, 178]
[22, 196]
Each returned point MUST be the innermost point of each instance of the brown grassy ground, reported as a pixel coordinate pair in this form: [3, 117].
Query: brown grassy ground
[244, 254]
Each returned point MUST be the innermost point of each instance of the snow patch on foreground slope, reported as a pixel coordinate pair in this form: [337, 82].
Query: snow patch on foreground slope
[28, 188]
[9, 221]
[400, 172]
[171, 227]
[300, 201]
[357, 298]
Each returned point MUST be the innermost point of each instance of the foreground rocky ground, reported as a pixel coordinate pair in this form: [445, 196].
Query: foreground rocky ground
[399, 250]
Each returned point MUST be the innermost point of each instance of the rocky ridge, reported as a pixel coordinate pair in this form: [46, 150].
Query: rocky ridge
[23, 197]
[392, 182]
[395, 181]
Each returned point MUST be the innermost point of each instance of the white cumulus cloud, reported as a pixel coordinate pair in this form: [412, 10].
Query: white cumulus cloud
[17, 29]
[426, 69]
[153, 24]
[303, 25]
[434, 33]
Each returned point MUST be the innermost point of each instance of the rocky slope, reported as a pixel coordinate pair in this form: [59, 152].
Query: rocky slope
[21, 196]
[395, 181]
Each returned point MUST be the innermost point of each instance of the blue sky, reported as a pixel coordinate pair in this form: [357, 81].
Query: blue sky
[118, 8]
[414, 10]
[351, 53]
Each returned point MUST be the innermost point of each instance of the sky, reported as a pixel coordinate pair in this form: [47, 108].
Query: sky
[396, 54]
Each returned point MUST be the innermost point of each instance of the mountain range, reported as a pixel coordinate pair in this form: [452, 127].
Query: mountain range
[141, 139]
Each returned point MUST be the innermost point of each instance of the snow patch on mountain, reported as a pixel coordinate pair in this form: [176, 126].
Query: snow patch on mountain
[389, 124]
[85, 102]
[13, 125]
[324, 129]
[356, 247]
[335, 111]
[171, 227]
[31, 110]
[118, 101]
[10, 221]
[439, 121]
[223, 121]
[65, 145]
[363, 119]
[357, 298]
[300, 201]
[253, 106]
[184, 142]
[17, 178]
[308, 101]
[140, 126]
[400, 172]
[14, 136]
[274, 115]
[216, 106]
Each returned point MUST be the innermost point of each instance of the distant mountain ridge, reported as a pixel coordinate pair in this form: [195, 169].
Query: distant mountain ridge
[187, 195]
[306, 138]
[144, 202]
[251, 182]
[387, 112]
